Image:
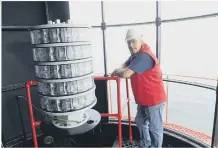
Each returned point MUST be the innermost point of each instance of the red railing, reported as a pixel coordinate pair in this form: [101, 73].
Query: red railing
[32, 120]
[167, 102]
[195, 134]
[129, 113]
[117, 115]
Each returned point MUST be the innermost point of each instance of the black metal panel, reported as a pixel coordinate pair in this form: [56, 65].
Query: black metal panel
[108, 134]
[15, 13]
[11, 122]
[17, 62]
[101, 94]
[17, 66]
[58, 10]
[215, 126]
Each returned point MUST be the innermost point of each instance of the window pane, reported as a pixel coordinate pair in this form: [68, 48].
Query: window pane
[117, 49]
[177, 9]
[85, 12]
[189, 103]
[97, 51]
[129, 11]
[190, 48]
[113, 89]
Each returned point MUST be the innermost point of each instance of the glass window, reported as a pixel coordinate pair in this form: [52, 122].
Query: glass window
[190, 48]
[113, 96]
[185, 102]
[177, 9]
[90, 13]
[97, 51]
[85, 12]
[129, 11]
[117, 49]
[188, 103]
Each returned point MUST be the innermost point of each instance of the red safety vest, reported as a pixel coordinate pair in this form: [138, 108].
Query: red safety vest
[148, 87]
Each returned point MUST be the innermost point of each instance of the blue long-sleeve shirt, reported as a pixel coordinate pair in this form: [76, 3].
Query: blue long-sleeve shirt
[140, 63]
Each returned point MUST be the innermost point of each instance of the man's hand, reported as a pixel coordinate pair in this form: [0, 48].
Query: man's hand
[123, 73]
[115, 72]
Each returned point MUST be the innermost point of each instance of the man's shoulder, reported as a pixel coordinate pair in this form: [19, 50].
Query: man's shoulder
[143, 55]
[142, 62]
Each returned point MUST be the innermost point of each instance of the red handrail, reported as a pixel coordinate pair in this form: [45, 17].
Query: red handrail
[110, 100]
[128, 107]
[118, 115]
[33, 123]
[129, 117]
[167, 99]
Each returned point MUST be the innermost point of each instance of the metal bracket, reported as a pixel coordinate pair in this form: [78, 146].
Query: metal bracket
[158, 21]
[103, 26]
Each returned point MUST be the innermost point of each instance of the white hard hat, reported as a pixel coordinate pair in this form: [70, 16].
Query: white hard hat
[133, 34]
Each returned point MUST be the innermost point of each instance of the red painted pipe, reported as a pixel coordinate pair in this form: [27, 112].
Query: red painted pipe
[118, 115]
[109, 115]
[28, 85]
[37, 123]
[119, 112]
[106, 78]
[129, 114]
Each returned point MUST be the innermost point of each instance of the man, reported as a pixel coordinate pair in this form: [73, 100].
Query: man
[148, 89]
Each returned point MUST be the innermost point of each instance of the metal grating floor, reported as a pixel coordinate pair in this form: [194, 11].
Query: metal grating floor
[126, 143]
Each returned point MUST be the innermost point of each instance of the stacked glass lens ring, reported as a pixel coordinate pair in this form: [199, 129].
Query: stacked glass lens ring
[64, 71]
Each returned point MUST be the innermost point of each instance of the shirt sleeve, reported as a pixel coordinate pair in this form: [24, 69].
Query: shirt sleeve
[141, 63]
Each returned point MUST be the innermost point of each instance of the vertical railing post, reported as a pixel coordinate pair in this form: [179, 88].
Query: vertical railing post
[128, 106]
[119, 112]
[110, 99]
[28, 85]
[167, 101]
